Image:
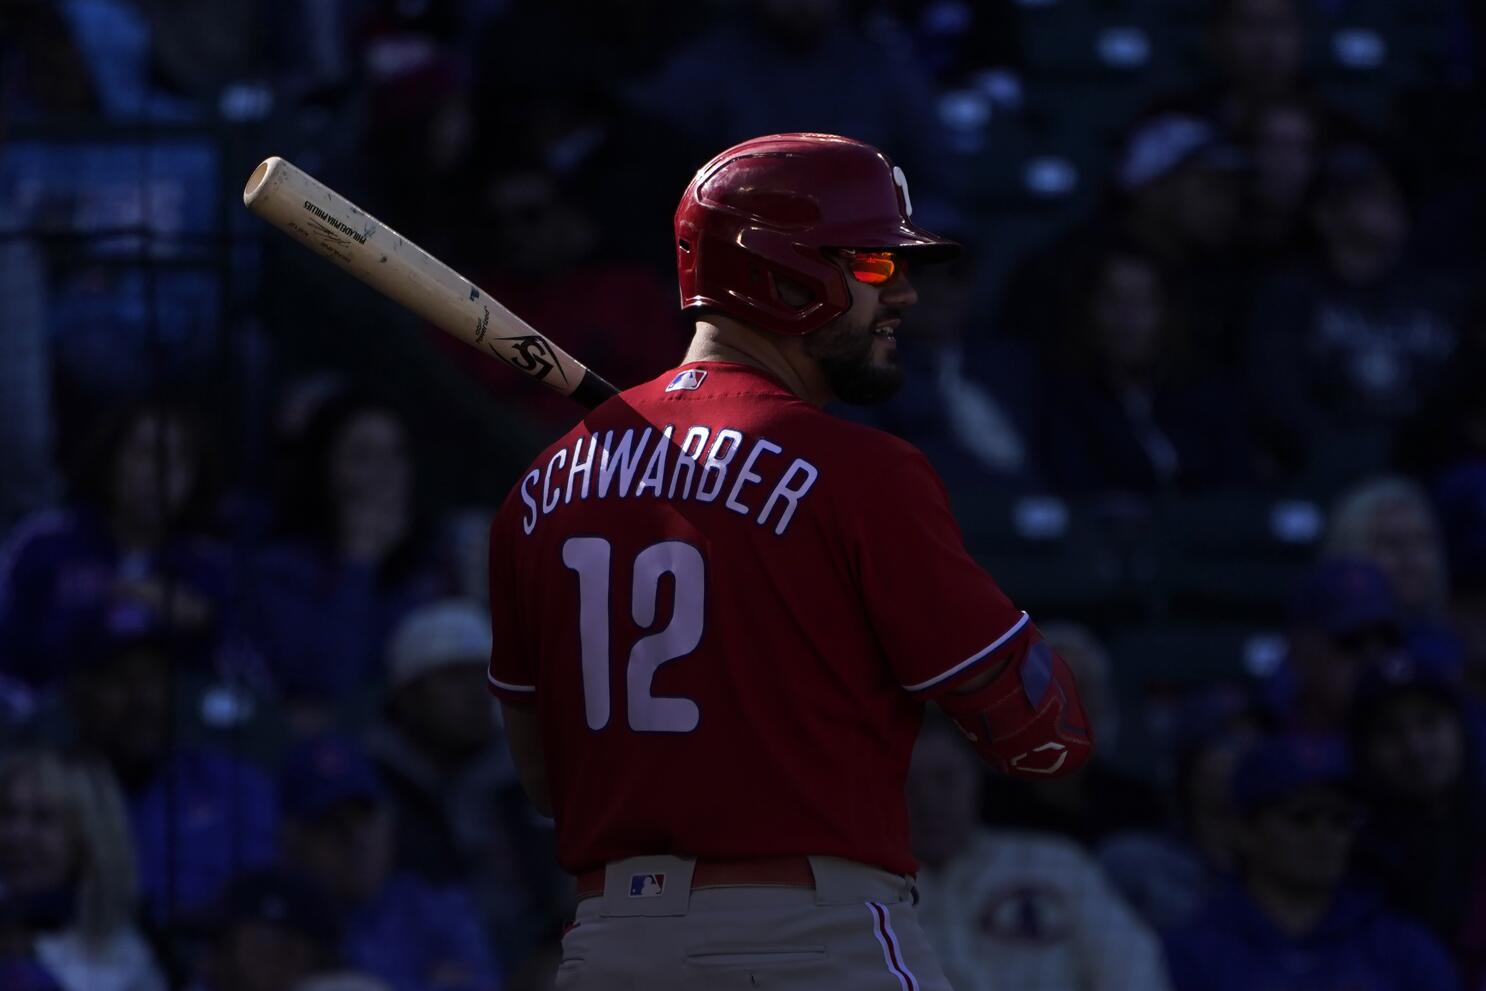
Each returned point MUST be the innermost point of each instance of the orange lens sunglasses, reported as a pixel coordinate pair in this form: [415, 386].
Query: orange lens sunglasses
[871, 267]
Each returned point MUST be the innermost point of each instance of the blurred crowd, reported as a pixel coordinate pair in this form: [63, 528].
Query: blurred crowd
[1205, 388]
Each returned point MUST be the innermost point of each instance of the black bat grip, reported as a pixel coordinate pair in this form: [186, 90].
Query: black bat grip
[593, 390]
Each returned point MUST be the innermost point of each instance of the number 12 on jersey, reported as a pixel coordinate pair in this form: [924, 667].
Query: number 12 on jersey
[591, 558]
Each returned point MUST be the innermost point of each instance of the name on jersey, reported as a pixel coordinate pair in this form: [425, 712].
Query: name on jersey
[751, 476]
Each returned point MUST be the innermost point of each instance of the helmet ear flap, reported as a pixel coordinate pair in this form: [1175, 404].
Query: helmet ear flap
[790, 292]
[813, 275]
[755, 266]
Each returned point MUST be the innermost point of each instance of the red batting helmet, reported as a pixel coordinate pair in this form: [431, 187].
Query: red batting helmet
[770, 208]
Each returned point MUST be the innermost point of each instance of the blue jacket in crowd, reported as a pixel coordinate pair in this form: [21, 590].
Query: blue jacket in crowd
[1359, 946]
[206, 818]
[416, 937]
[58, 575]
[322, 623]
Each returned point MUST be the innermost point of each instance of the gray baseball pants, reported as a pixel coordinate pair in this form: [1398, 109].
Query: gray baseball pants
[856, 930]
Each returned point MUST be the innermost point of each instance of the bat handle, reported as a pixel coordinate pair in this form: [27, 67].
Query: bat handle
[592, 390]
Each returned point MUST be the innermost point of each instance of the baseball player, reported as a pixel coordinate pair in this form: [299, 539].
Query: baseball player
[719, 611]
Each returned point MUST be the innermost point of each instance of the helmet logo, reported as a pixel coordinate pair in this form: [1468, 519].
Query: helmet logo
[902, 181]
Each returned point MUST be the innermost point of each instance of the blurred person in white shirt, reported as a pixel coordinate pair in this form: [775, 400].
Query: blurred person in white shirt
[1014, 910]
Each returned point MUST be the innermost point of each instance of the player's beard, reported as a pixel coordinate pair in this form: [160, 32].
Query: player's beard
[844, 352]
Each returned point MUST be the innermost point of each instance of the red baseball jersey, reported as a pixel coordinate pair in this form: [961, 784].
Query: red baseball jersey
[729, 608]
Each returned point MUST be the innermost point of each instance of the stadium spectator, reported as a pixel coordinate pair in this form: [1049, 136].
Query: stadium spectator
[199, 815]
[578, 131]
[1449, 429]
[1291, 920]
[129, 553]
[271, 930]
[466, 532]
[29, 479]
[1461, 496]
[1344, 618]
[1174, 198]
[420, 124]
[1100, 799]
[43, 68]
[352, 559]
[67, 877]
[1013, 909]
[340, 833]
[462, 817]
[1390, 522]
[802, 65]
[546, 266]
[1168, 876]
[1257, 48]
[1127, 412]
[1284, 143]
[1259, 53]
[1178, 174]
[1422, 781]
[1343, 348]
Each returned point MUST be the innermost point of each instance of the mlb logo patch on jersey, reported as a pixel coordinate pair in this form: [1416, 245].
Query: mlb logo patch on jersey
[689, 380]
[647, 885]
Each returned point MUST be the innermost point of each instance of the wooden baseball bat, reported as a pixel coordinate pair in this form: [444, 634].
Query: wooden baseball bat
[331, 225]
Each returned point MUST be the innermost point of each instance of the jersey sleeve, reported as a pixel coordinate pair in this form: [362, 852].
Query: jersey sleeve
[512, 675]
[940, 617]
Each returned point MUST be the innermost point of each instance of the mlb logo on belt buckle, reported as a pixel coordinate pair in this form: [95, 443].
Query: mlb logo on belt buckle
[646, 885]
[688, 380]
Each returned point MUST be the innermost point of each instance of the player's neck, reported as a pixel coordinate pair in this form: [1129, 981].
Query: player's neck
[721, 339]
